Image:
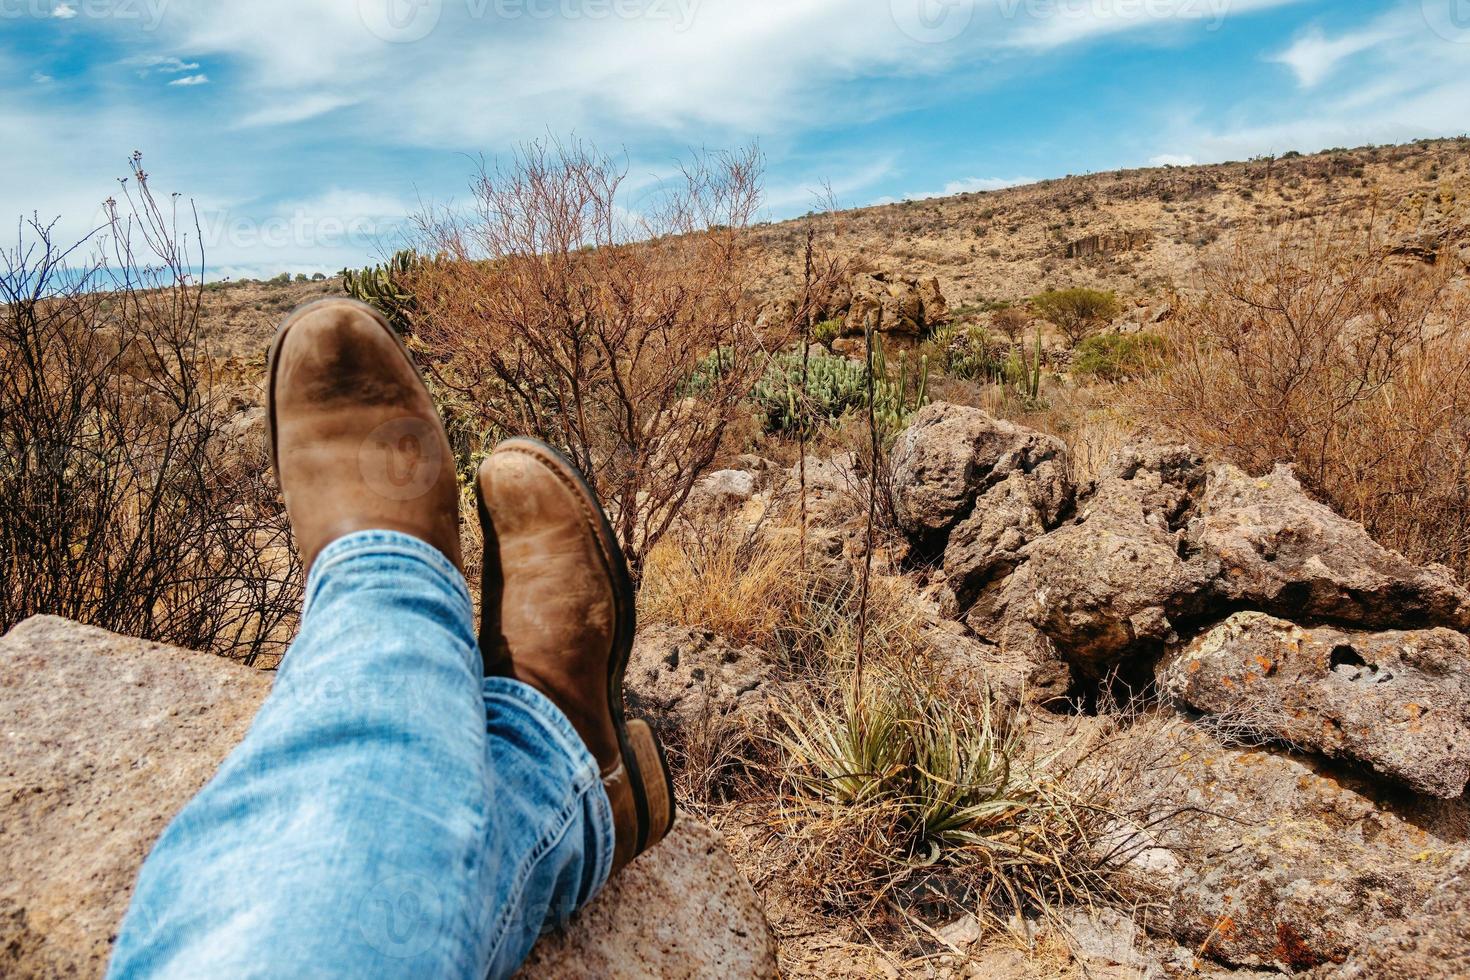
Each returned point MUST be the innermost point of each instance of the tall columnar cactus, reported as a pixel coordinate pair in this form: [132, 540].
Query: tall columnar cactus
[384, 288]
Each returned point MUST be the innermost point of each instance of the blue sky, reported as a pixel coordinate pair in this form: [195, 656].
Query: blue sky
[306, 130]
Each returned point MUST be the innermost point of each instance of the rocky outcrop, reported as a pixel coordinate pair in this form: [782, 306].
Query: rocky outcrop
[907, 306]
[1281, 858]
[950, 456]
[683, 679]
[105, 738]
[1108, 243]
[1397, 702]
[1284, 553]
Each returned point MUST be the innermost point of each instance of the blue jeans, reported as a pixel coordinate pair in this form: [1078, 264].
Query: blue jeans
[391, 813]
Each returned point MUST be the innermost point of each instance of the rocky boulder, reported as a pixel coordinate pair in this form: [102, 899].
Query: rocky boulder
[683, 679]
[950, 456]
[1282, 860]
[105, 738]
[1397, 702]
[1282, 552]
[1114, 581]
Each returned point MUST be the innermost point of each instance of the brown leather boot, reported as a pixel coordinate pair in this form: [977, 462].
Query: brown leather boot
[564, 624]
[354, 436]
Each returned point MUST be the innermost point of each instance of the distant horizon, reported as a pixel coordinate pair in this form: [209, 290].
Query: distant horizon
[308, 130]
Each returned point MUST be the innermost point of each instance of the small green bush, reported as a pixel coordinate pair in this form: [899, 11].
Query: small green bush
[826, 332]
[1119, 357]
[1076, 312]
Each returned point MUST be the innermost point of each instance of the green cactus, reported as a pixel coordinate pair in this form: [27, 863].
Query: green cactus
[835, 386]
[1025, 373]
[383, 288]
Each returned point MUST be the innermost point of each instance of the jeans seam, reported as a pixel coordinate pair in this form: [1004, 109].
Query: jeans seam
[523, 873]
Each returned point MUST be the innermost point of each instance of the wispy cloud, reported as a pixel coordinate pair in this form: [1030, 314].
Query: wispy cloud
[63, 11]
[1313, 57]
[190, 80]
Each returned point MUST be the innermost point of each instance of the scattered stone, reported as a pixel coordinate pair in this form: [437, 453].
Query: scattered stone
[1398, 702]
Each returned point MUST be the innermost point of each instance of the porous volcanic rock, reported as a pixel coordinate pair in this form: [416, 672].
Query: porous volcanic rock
[1112, 582]
[680, 678]
[105, 738]
[951, 455]
[1282, 552]
[1283, 858]
[1398, 702]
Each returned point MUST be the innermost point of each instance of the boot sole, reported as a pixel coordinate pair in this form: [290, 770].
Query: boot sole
[643, 754]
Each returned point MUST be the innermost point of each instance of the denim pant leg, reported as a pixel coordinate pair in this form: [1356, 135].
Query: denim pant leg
[361, 828]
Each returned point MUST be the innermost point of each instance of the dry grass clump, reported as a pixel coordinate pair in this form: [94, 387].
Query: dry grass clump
[1317, 347]
[898, 794]
[750, 589]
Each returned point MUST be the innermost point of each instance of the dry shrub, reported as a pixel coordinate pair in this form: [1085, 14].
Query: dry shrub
[1318, 348]
[625, 339]
[126, 500]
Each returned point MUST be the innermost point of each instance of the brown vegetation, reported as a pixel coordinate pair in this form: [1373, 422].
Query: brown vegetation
[626, 341]
[123, 502]
[1314, 347]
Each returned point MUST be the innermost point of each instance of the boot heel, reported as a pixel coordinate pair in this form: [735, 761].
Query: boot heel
[651, 782]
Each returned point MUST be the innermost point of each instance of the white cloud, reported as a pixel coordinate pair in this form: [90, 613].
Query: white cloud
[968, 185]
[164, 64]
[1313, 57]
[41, 78]
[1171, 160]
[1412, 83]
[63, 11]
[1067, 21]
[285, 113]
[191, 80]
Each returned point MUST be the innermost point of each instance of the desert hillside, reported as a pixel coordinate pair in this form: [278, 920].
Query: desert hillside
[1067, 581]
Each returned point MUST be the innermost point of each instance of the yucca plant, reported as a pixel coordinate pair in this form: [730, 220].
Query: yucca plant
[895, 787]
